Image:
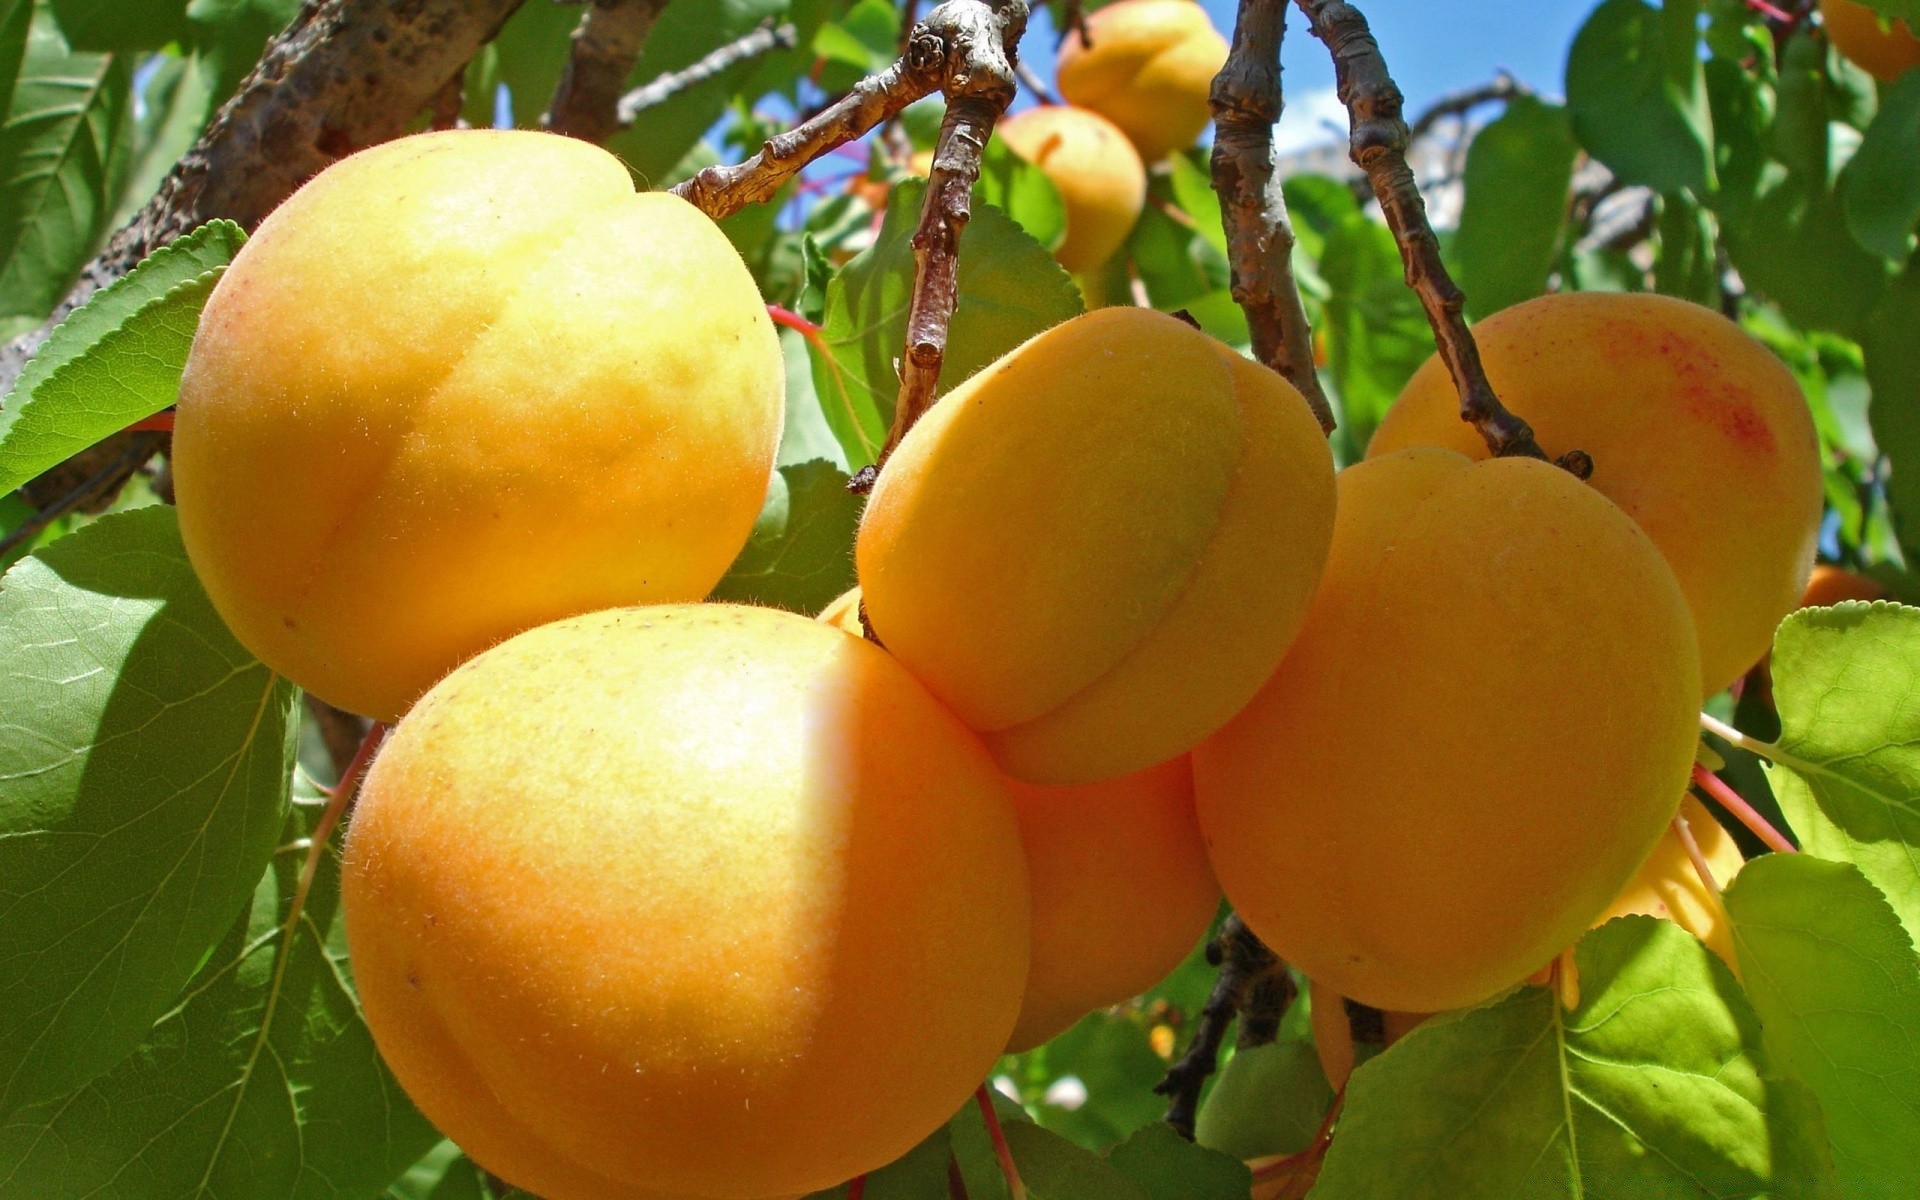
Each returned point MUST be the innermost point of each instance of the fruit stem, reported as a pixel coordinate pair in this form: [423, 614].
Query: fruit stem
[794, 321]
[1016, 1190]
[1732, 801]
[1247, 101]
[1566, 980]
[1378, 146]
[857, 1188]
[1700, 867]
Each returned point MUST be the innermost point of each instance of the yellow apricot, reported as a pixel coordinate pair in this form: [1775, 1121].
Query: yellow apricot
[459, 385]
[1475, 740]
[1148, 68]
[697, 899]
[1697, 431]
[1121, 892]
[1101, 181]
[1668, 886]
[1097, 548]
[1830, 585]
[1883, 50]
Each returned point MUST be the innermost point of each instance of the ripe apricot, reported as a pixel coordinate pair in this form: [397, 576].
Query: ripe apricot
[1697, 431]
[1473, 743]
[1148, 68]
[461, 384]
[1883, 50]
[1121, 892]
[696, 899]
[1668, 886]
[1097, 548]
[1831, 585]
[1101, 181]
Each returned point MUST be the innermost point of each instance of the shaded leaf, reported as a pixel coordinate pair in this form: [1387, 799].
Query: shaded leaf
[1880, 185]
[262, 1084]
[800, 554]
[1377, 333]
[63, 160]
[1794, 249]
[1835, 981]
[16, 16]
[1055, 1169]
[1627, 108]
[120, 24]
[116, 359]
[1655, 1086]
[1847, 772]
[145, 758]
[1167, 1166]
[1519, 169]
[1893, 372]
[1267, 1100]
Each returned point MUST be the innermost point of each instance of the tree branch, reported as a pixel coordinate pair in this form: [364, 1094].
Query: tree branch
[1252, 981]
[1457, 104]
[1378, 145]
[767, 37]
[602, 54]
[1246, 101]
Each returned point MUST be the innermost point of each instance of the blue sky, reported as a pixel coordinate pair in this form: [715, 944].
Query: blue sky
[1433, 48]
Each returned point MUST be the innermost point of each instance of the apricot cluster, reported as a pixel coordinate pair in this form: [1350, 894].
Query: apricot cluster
[651, 898]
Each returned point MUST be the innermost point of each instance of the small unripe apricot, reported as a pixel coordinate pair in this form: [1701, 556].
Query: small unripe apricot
[1149, 69]
[461, 384]
[1668, 886]
[1696, 430]
[693, 899]
[1831, 585]
[1101, 181]
[1474, 742]
[1097, 548]
[1121, 892]
[1883, 50]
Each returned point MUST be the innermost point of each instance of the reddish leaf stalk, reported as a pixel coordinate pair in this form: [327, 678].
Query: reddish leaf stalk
[1247, 102]
[1745, 813]
[984, 1098]
[160, 422]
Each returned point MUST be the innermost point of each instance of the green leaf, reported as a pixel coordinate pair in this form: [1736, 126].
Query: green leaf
[1847, 771]
[443, 1173]
[1654, 1086]
[63, 160]
[1519, 169]
[1111, 1056]
[531, 52]
[1377, 333]
[1835, 981]
[800, 554]
[1688, 265]
[1626, 107]
[1893, 373]
[179, 100]
[261, 1084]
[1023, 192]
[1193, 194]
[1167, 1166]
[16, 17]
[1055, 1169]
[1794, 249]
[145, 757]
[973, 1150]
[1009, 290]
[919, 1174]
[116, 359]
[806, 435]
[1880, 185]
[120, 24]
[1267, 1100]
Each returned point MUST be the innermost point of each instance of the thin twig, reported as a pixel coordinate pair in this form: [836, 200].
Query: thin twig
[1378, 145]
[979, 85]
[605, 46]
[764, 39]
[1244, 961]
[1456, 104]
[1030, 79]
[1246, 102]
[1016, 1190]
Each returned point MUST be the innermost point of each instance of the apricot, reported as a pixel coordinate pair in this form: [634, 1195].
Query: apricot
[1668, 886]
[1102, 183]
[459, 385]
[1831, 585]
[1882, 47]
[1474, 742]
[1148, 68]
[689, 899]
[1097, 548]
[1697, 431]
[1333, 1040]
[1121, 892]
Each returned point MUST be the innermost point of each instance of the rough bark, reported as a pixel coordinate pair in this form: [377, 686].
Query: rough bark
[605, 47]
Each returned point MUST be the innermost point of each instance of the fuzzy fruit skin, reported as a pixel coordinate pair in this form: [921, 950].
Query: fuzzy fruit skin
[459, 385]
[1855, 31]
[1149, 71]
[1667, 886]
[1122, 892]
[1697, 431]
[1097, 548]
[1476, 739]
[637, 902]
[1830, 585]
[1101, 181]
